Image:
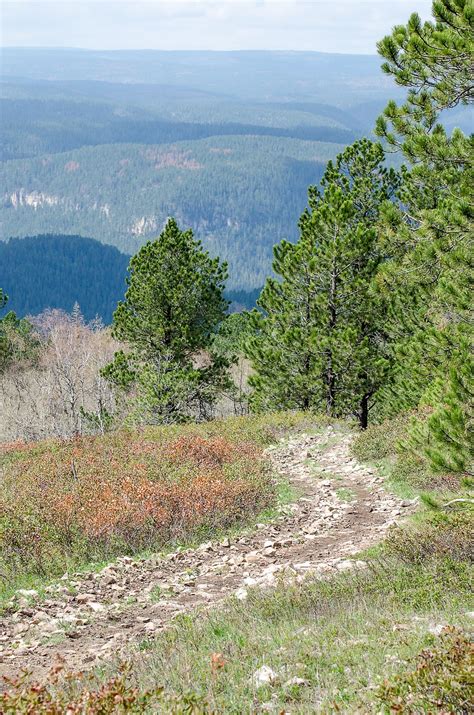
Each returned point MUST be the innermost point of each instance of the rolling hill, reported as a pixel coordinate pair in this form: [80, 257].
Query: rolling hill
[109, 144]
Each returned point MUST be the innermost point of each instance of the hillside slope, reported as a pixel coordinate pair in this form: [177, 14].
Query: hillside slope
[315, 537]
[41, 272]
[225, 188]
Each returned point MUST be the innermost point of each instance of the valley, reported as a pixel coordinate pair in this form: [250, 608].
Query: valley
[218, 141]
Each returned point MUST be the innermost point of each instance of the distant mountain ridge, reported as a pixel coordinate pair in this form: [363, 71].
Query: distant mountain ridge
[264, 75]
[110, 144]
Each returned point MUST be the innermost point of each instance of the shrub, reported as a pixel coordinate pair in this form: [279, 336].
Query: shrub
[440, 682]
[440, 535]
[380, 440]
[97, 497]
[114, 697]
[390, 441]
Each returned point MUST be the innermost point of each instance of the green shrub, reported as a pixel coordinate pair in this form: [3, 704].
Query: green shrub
[441, 682]
[440, 535]
[116, 696]
[379, 441]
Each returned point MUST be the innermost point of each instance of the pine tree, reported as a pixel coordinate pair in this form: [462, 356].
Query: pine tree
[319, 343]
[429, 280]
[172, 307]
[450, 429]
[18, 342]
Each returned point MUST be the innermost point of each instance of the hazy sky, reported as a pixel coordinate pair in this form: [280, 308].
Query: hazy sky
[326, 26]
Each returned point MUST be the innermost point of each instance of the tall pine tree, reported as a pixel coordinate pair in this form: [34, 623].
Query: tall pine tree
[429, 280]
[172, 307]
[320, 342]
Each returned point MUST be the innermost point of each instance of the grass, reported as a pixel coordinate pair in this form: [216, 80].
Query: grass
[345, 494]
[341, 637]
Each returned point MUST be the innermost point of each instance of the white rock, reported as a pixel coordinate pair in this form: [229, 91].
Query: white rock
[300, 682]
[264, 676]
[27, 592]
[241, 594]
[436, 629]
[96, 607]
[249, 581]
[345, 565]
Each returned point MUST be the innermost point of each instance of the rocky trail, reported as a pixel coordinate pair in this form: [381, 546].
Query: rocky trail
[88, 618]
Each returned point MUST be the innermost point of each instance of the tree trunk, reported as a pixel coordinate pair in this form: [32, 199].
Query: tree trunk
[330, 376]
[364, 412]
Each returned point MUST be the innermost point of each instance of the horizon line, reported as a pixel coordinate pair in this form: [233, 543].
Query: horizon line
[156, 49]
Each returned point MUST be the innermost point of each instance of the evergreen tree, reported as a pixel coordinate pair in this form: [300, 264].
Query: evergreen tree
[171, 310]
[320, 342]
[430, 277]
[18, 342]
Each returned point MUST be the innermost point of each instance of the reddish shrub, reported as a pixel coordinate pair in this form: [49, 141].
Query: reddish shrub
[122, 491]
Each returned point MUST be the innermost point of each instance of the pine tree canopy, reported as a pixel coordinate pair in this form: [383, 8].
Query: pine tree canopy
[429, 280]
[172, 307]
[320, 342]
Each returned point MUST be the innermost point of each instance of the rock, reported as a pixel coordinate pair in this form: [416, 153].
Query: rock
[41, 617]
[151, 627]
[27, 592]
[96, 607]
[85, 597]
[19, 628]
[346, 565]
[109, 579]
[249, 581]
[436, 629]
[241, 594]
[253, 557]
[225, 543]
[264, 676]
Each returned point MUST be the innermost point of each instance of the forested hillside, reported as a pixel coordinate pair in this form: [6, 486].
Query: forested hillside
[226, 188]
[108, 145]
[56, 272]
[41, 272]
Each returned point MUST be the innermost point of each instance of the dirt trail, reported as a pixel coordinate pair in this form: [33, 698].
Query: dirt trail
[342, 508]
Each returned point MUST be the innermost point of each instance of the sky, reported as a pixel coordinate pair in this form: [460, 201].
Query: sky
[344, 26]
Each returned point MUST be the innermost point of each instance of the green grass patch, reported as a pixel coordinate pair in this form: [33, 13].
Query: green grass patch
[345, 494]
[343, 638]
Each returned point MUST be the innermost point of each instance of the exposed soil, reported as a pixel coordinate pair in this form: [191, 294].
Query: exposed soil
[88, 618]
